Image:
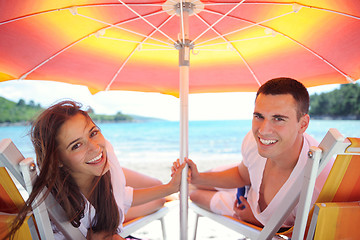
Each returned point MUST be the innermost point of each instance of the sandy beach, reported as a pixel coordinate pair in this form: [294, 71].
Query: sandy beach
[207, 229]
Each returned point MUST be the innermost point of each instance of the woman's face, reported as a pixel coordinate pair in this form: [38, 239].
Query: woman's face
[82, 149]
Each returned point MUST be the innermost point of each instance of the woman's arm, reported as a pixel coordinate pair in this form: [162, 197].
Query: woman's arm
[144, 195]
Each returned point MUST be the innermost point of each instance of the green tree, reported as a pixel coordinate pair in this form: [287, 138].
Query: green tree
[339, 103]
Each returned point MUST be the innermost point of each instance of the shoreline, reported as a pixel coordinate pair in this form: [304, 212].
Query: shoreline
[140, 120]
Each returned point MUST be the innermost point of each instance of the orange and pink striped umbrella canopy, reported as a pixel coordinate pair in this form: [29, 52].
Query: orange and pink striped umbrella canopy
[132, 45]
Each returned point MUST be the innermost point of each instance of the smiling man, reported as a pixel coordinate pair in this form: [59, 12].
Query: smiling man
[274, 154]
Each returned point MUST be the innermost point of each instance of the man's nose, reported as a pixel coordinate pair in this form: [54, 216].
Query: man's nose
[265, 127]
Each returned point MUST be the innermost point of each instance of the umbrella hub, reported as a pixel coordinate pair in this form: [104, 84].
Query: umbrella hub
[181, 44]
[176, 7]
[184, 48]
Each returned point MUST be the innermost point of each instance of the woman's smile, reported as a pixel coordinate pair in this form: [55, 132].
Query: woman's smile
[96, 159]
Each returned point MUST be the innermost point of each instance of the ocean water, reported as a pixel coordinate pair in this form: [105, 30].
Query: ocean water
[159, 140]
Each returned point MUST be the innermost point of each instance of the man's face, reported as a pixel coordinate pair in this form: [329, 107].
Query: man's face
[275, 126]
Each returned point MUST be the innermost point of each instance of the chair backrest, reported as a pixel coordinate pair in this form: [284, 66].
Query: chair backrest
[11, 200]
[343, 182]
[336, 220]
[24, 171]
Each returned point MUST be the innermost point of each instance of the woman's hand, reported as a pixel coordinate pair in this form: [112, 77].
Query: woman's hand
[176, 172]
[193, 173]
[244, 213]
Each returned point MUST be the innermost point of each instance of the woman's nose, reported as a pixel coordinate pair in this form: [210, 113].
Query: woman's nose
[93, 145]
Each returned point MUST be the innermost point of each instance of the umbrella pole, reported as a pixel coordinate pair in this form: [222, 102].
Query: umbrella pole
[184, 64]
[184, 126]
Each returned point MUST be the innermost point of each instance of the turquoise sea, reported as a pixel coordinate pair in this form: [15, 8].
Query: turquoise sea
[159, 140]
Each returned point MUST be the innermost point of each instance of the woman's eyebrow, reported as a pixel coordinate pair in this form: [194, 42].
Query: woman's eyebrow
[72, 142]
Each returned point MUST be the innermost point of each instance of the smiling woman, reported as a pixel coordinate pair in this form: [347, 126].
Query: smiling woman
[79, 167]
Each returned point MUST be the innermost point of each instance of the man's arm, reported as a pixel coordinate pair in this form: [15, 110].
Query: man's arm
[231, 178]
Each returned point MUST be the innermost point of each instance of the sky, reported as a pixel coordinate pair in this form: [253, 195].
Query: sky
[205, 106]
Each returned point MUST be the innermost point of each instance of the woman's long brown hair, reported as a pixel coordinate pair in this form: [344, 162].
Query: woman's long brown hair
[58, 180]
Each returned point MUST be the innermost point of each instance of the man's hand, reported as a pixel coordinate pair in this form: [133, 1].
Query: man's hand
[193, 173]
[244, 213]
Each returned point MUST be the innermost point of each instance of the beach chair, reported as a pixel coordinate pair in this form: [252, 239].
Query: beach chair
[336, 214]
[335, 220]
[16, 173]
[10, 203]
[137, 223]
[22, 171]
[333, 143]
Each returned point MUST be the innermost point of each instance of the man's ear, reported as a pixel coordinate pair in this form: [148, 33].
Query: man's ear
[304, 123]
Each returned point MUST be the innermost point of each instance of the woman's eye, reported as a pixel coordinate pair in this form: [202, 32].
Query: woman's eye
[94, 133]
[75, 146]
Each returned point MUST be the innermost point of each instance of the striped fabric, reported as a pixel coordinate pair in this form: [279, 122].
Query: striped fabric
[10, 203]
[339, 209]
[338, 220]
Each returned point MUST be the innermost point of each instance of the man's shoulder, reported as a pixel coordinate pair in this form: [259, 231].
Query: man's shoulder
[310, 140]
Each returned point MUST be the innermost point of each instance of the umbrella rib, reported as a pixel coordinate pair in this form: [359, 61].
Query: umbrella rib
[232, 41]
[127, 40]
[59, 52]
[333, 11]
[51, 57]
[76, 6]
[73, 7]
[132, 10]
[237, 51]
[291, 39]
[133, 51]
[253, 24]
[221, 18]
[154, 4]
[122, 28]
[284, 3]
[317, 55]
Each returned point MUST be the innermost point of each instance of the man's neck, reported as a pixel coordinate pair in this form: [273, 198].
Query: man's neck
[289, 160]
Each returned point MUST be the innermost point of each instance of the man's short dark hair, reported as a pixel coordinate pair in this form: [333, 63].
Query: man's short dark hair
[284, 85]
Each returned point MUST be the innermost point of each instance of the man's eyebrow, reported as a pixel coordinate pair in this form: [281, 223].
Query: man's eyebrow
[280, 116]
[257, 114]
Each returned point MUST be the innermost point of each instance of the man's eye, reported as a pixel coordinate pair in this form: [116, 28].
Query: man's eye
[279, 119]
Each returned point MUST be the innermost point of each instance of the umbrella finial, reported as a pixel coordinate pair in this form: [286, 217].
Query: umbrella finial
[174, 7]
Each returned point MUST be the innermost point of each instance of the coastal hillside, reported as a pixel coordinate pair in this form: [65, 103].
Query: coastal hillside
[342, 103]
[20, 112]
[23, 113]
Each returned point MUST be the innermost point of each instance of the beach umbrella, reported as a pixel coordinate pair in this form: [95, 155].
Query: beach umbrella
[178, 47]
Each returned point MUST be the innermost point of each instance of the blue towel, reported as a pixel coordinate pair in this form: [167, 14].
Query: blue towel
[240, 192]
